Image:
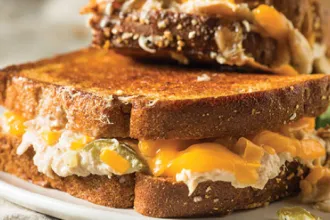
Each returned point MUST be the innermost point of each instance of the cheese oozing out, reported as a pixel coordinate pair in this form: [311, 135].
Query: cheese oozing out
[243, 162]
[62, 151]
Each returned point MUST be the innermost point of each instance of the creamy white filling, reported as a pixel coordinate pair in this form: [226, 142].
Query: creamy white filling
[269, 169]
[60, 159]
[63, 161]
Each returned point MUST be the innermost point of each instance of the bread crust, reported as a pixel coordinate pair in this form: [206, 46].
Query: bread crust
[117, 192]
[164, 198]
[103, 94]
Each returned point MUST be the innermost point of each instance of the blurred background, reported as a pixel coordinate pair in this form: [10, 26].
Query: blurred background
[33, 29]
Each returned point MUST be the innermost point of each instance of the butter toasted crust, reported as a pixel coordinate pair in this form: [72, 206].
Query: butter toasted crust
[103, 94]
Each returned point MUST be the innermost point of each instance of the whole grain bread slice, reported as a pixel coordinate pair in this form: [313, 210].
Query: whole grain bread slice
[103, 94]
[164, 35]
[196, 36]
[308, 16]
[151, 196]
[117, 191]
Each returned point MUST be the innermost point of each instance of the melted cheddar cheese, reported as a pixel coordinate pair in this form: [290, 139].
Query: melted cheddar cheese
[169, 158]
[273, 22]
[242, 158]
[286, 70]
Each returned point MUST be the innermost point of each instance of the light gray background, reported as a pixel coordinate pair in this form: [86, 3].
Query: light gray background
[32, 29]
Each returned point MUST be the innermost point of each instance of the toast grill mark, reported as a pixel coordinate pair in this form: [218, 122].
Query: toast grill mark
[248, 162]
[295, 53]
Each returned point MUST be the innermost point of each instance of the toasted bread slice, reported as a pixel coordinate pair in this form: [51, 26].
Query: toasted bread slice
[304, 14]
[115, 192]
[166, 34]
[104, 94]
[162, 197]
[199, 48]
[157, 197]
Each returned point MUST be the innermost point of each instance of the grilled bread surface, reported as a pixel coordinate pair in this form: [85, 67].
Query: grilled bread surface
[104, 94]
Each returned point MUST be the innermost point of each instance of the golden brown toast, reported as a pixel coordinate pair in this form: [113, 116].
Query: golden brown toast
[107, 95]
[166, 34]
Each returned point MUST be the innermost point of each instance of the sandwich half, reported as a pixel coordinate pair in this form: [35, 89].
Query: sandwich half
[168, 141]
[278, 36]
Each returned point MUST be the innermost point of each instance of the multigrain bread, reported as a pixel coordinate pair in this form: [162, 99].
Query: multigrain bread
[117, 192]
[107, 95]
[152, 196]
[166, 34]
[306, 15]
[199, 48]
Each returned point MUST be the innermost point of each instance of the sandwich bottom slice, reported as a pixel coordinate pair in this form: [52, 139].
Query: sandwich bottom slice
[123, 134]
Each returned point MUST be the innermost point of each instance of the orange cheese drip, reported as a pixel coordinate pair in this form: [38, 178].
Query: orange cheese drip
[169, 158]
[308, 149]
[286, 70]
[242, 159]
[248, 150]
[277, 141]
[160, 153]
[273, 22]
[306, 124]
[210, 156]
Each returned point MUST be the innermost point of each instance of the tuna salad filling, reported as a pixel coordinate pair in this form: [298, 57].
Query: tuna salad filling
[244, 162]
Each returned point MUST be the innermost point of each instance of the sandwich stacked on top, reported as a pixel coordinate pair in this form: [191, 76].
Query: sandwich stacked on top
[167, 140]
[283, 37]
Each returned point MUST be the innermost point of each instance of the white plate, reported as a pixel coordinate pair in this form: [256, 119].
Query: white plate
[64, 206]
